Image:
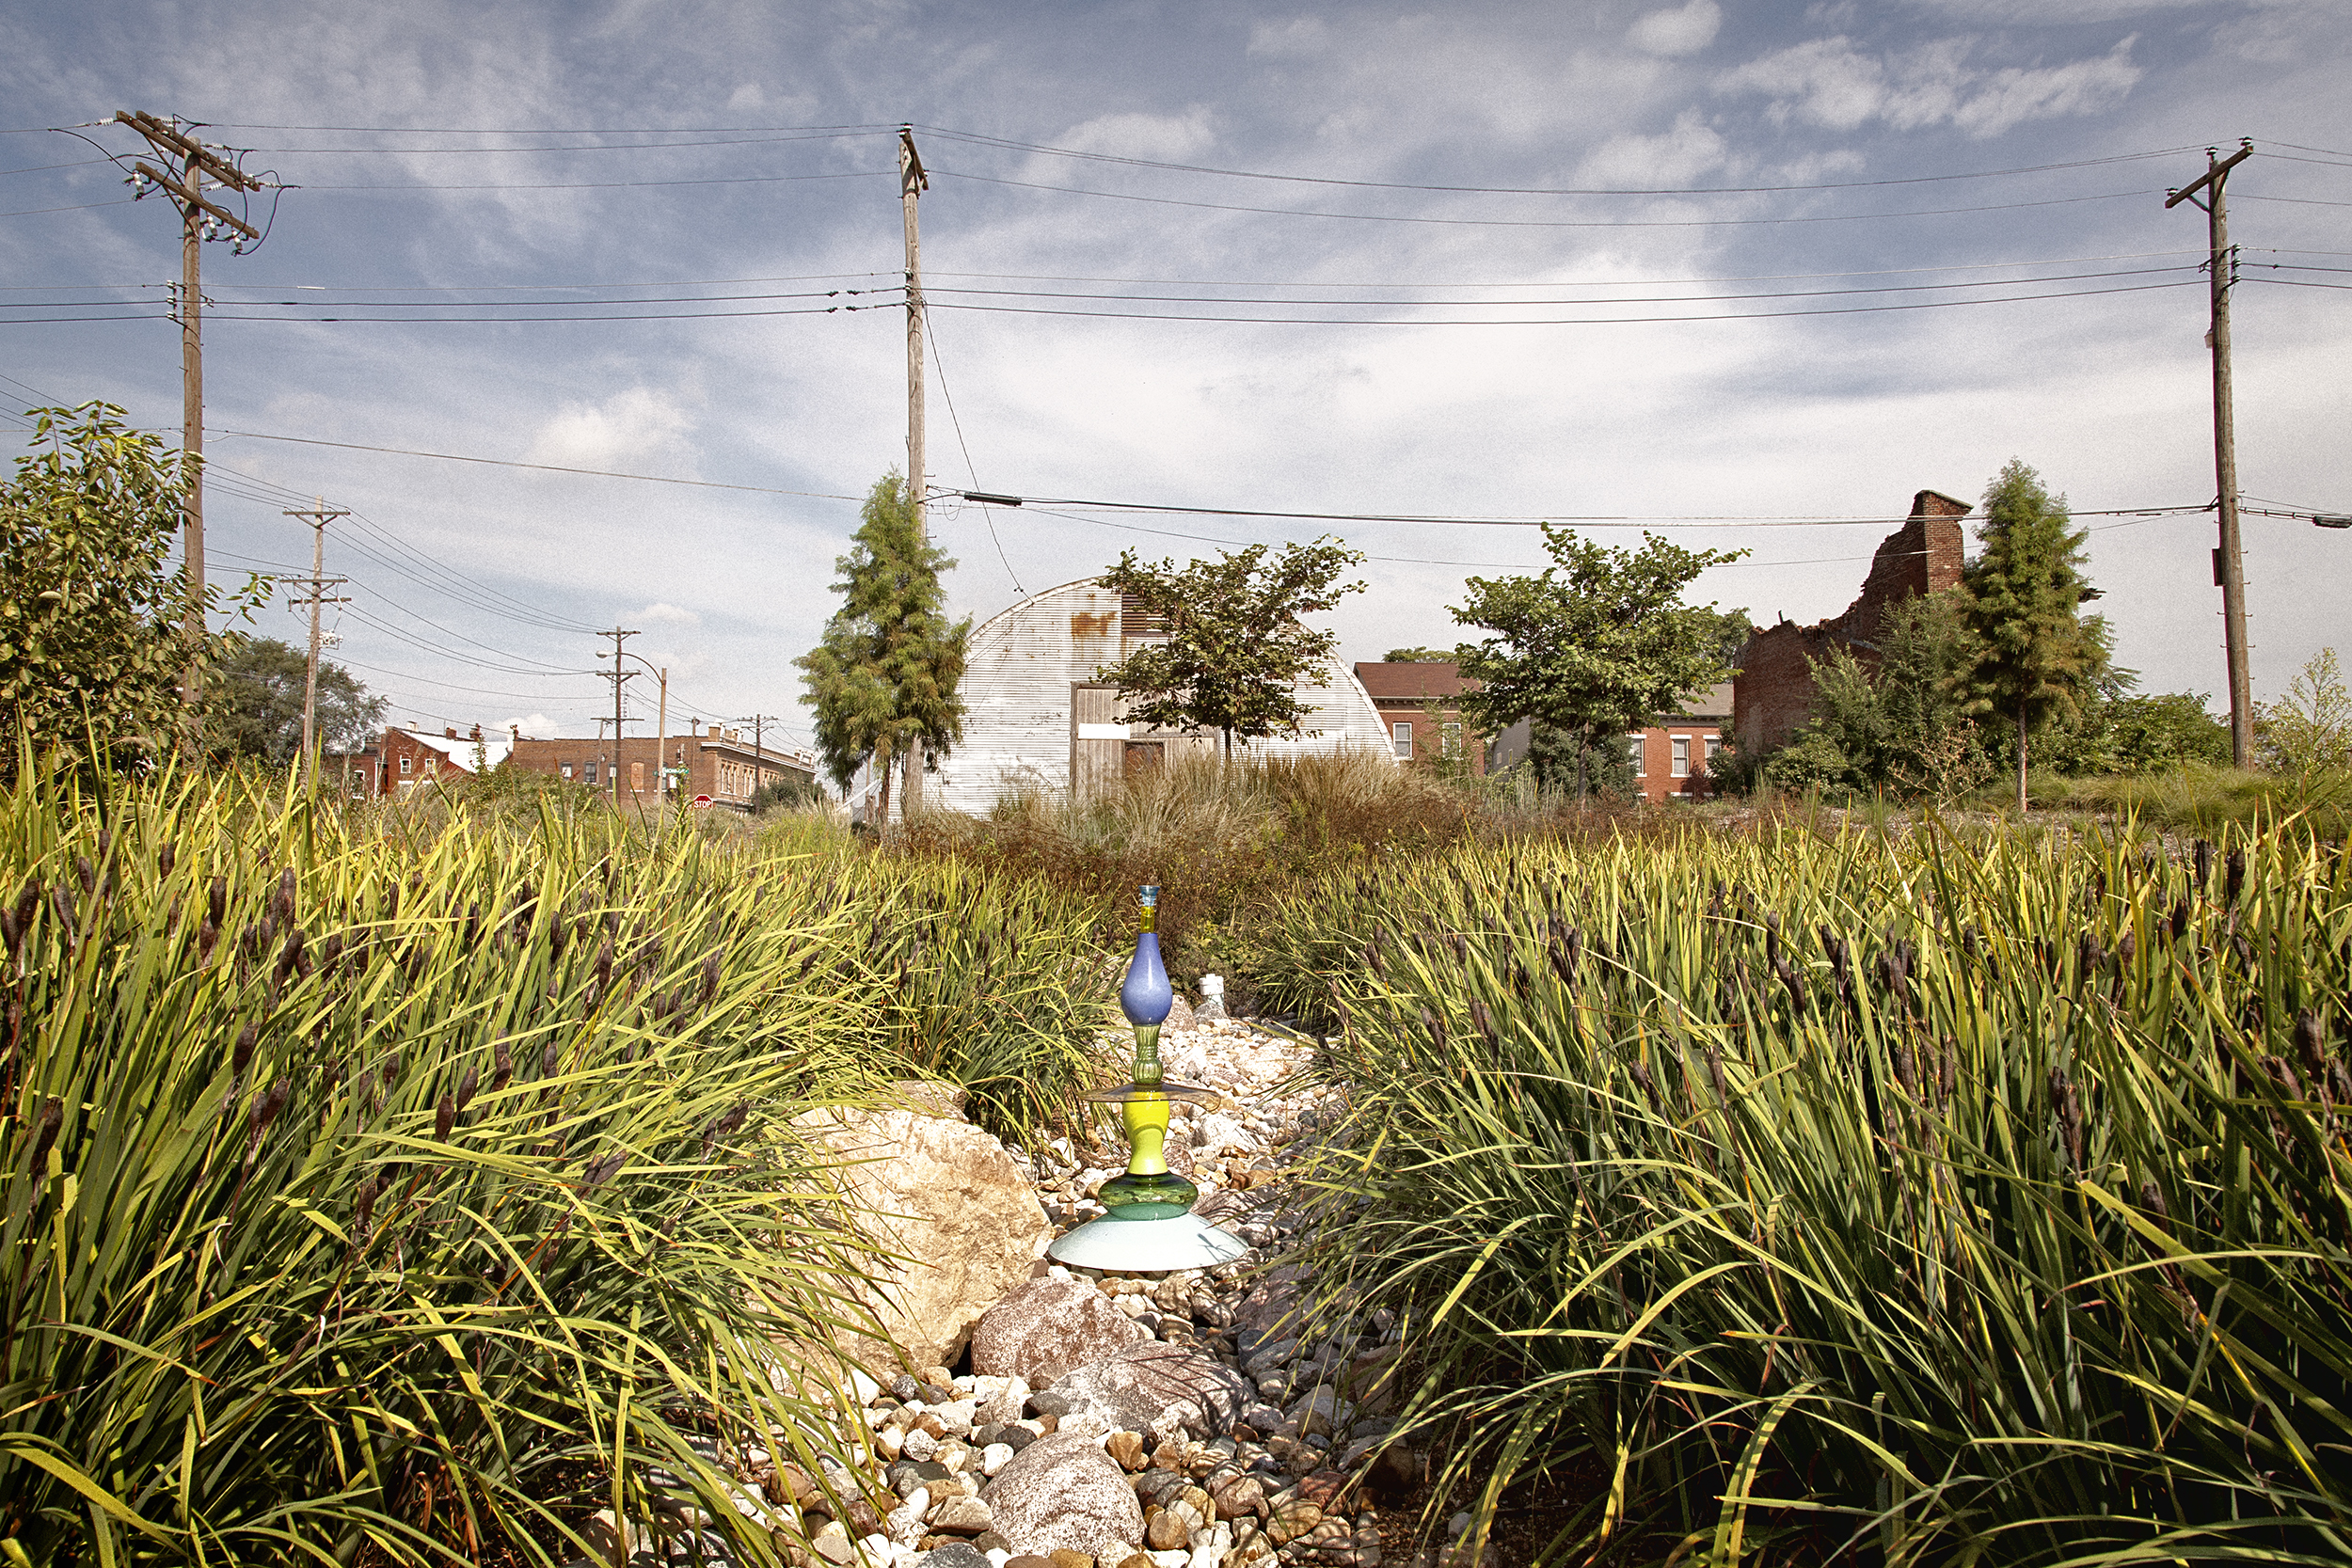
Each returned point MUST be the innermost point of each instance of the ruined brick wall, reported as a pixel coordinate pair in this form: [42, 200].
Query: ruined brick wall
[1773, 693]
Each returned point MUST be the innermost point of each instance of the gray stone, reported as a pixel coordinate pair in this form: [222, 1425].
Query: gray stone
[1145, 1387]
[955, 1554]
[1063, 1492]
[1045, 1328]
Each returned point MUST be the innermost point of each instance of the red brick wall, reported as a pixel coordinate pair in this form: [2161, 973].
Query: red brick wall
[1656, 780]
[1773, 693]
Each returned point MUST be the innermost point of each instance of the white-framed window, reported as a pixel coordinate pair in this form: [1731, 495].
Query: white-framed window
[567, 771]
[406, 764]
[1633, 747]
[1680, 767]
[1714, 747]
[1450, 740]
[1401, 732]
[592, 773]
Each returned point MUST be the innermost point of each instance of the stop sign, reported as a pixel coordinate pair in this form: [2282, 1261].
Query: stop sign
[701, 800]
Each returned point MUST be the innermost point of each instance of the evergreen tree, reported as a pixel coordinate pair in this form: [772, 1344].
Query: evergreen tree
[884, 679]
[1598, 643]
[1235, 650]
[2035, 654]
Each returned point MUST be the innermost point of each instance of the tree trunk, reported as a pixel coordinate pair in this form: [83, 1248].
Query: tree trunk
[2021, 757]
[882, 759]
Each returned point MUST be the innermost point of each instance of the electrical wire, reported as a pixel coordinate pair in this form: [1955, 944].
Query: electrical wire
[980, 141]
[615, 185]
[1573, 321]
[1529, 223]
[545, 467]
[987, 513]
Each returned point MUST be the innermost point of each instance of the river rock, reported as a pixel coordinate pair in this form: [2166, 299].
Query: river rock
[1063, 1493]
[1147, 1388]
[1045, 1328]
[951, 1201]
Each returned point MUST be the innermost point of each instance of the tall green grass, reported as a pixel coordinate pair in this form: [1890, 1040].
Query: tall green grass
[410, 1191]
[1805, 1198]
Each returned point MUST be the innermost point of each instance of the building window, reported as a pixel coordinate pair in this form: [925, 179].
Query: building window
[592, 773]
[567, 769]
[1680, 767]
[405, 763]
[637, 778]
[1402, 735]
[1450, 740]
[1633, 752]
[1715, 746]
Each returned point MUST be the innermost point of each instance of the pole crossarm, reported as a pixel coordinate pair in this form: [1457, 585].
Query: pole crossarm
[2211, 176]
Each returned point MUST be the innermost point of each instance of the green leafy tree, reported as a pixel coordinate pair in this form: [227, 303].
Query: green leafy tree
[1235, 650]
[2310, 729]
[1595, 644]
[92, 645]
[883, 681]
[1418, 656]
[253, 703]
[2035, 655]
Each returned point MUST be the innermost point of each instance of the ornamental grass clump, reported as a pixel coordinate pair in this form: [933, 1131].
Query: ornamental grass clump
[1943, 1201]
[413, 1198]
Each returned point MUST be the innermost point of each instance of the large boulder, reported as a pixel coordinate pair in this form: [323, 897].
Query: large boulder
[1064, 1493]
[1158, 1388]
[953, 1205]
[1048, 1326]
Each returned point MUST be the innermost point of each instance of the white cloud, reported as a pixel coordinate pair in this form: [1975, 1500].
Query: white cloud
[1139, 136]
[666, 614]
[1673, 157]
[536, 726]
[631, 426]
[1830, 82]
[1685, 30]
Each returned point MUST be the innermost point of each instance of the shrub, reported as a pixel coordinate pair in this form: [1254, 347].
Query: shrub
[1917, 1200]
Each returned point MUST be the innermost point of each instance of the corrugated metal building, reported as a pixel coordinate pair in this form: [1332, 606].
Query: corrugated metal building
[1037, 719]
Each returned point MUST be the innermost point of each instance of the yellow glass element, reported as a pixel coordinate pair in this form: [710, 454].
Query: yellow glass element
[1147, 1135]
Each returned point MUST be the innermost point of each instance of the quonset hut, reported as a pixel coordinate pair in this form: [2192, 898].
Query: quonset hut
[1037, 719]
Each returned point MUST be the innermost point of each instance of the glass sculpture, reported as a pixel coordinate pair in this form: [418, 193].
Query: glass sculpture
[1151, 1225]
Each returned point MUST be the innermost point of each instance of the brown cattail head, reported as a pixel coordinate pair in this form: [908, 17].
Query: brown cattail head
[2151, 1201]
[2069, 1117]
[27, 901]
[363, 1211]
[548, 1059]
[10, 931]
[61, 899]
[166, 856]
[1715, 1074]
[2180, 920]
[2232, 874]
[265, 1108]
[502, 1064]
[241, 1054]
[467, 1085]
[285, 904]
[599, 1172]
[52, 1118]
[723, 1125]
[444, 1118]
[474, 925]
[2310, 1043]
[710, 980]
[1436, 1027]
[1484, 1022]
[391, 902]
[2200, 862]
[603, 966]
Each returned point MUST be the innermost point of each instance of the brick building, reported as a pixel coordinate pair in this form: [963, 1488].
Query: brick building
[716, 761]
[397, 760]
[1419, 705]
[1773, 693]
[1670, 754]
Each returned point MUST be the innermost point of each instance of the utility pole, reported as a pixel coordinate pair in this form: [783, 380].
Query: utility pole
[913, 181]
[661, 748]
[200, 220]
[2228, 566]
[620, 676]
[759, 722]
[318, 517]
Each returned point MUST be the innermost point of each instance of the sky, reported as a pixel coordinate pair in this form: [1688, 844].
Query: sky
[1750, 275]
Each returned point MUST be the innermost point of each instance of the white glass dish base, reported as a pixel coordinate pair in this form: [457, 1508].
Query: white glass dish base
[1146, 1246]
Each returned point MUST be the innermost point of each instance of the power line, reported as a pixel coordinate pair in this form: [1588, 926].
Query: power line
[602, 184]
[1533, 190]
[545, 467]
[1529, 223]
[986, 514]
[1563, 321]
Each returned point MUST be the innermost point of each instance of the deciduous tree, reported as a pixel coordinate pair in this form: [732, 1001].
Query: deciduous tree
[1235, 648]
[253, 703]
[1596, 643]
[884, 679]
[91, 607]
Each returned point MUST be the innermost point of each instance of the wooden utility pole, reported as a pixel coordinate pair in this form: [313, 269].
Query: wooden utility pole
[200, 220]
[661, 747]
[318, 584]
[620, 676]
[913, 181]
[759, 722]
[2229, 565]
